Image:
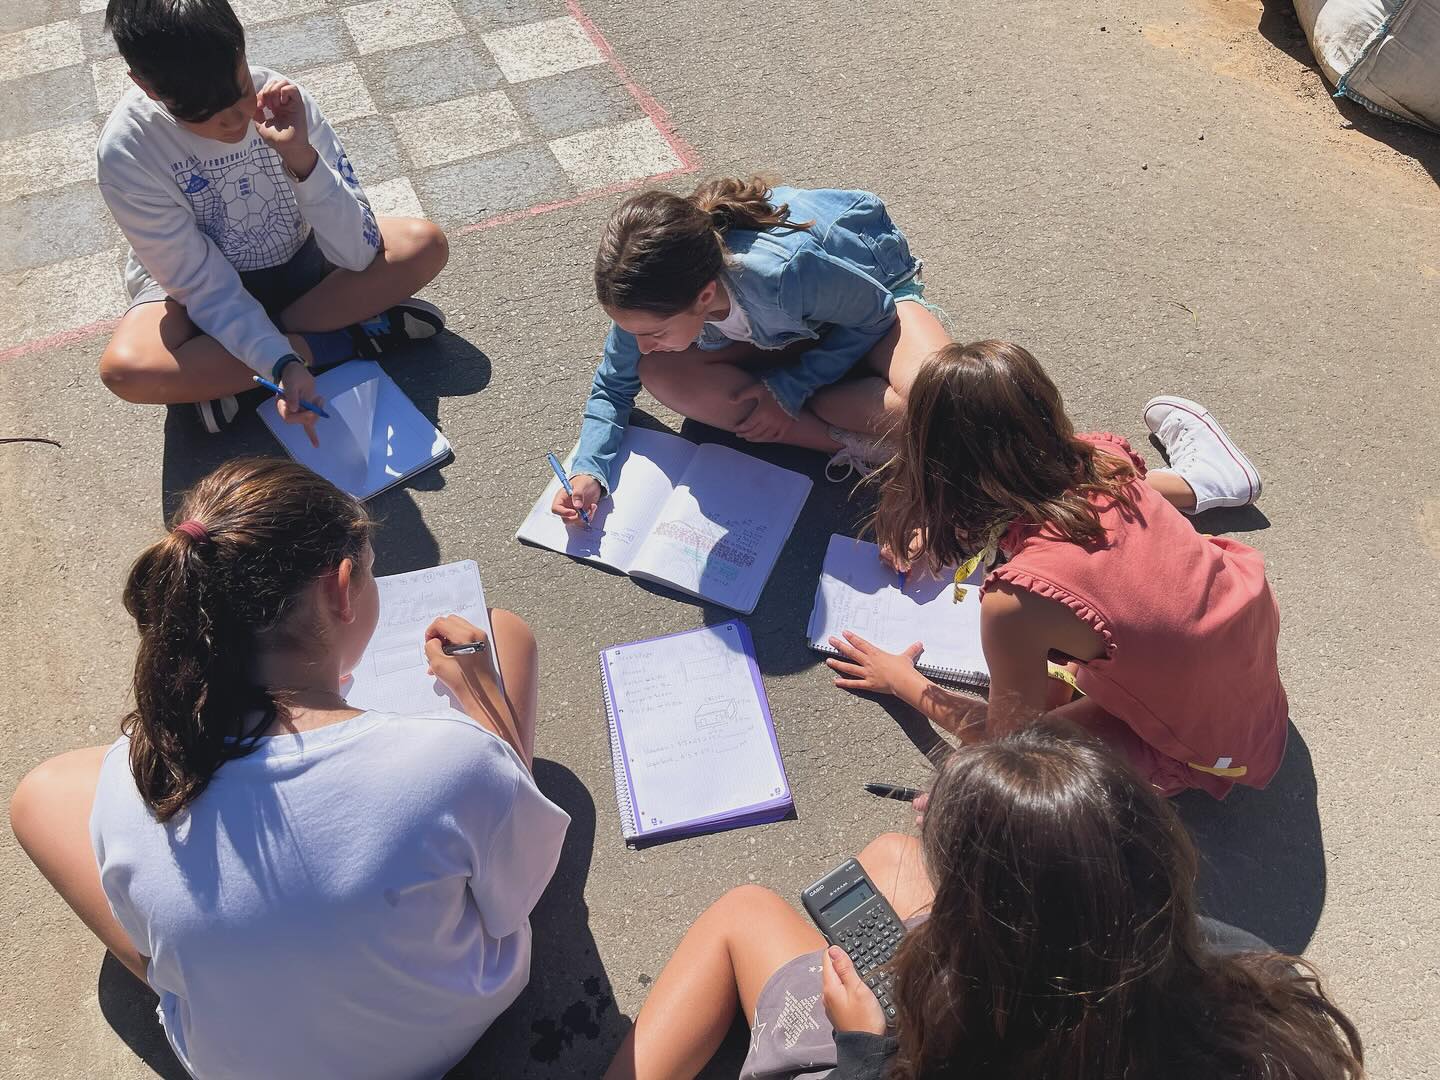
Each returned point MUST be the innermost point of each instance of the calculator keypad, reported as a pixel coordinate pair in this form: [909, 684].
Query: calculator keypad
[870, 941]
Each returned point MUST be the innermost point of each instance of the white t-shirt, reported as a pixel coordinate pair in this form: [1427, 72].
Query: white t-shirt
[736, 324]
[351, 901]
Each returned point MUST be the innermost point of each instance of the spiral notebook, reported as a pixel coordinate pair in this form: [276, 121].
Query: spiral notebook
[692, 741]
[859, 592]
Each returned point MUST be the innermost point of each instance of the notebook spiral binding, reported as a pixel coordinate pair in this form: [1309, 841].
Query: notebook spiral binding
[628, 828]
[972, 679]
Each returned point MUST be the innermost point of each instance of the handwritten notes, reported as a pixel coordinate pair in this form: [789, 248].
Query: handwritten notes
[695, 740]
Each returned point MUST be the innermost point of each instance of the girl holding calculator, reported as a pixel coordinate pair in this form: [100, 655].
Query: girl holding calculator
[1053, 933]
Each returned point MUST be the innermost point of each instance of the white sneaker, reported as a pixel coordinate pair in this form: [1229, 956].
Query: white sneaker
[1202, 454]
[217, 414]
[858, 453]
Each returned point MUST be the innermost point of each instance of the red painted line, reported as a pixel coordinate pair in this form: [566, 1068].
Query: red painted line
[56, 341]
[651, 107]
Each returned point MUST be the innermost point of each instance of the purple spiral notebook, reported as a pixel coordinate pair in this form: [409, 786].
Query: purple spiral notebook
[691, 737]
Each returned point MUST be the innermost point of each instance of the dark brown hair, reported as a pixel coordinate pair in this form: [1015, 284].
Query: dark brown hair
[207, 598]
[986, 442]
[659, 250]
[1063, 941]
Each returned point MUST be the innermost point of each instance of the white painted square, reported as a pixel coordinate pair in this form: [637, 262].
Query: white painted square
[339, 90]
[255, 12]
[393, 24]
[609, 155]
[112, 78]
[41, 48]
[394, 198]
[459, 128]
[61, 296]
[47, 159]
[538, 49]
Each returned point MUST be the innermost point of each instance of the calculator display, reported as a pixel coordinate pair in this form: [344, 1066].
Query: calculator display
[849, 900]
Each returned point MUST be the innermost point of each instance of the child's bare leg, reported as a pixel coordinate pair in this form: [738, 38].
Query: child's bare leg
[157, 356]
[414, 251]
[1177, 492]
[875, 403]
[50, 814]
[723, 961]
[896, 865]
[702, 384]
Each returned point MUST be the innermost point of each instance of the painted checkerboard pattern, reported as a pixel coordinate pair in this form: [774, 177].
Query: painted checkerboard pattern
[469, 112]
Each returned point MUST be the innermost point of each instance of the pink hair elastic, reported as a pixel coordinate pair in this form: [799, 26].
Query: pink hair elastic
[194, 529]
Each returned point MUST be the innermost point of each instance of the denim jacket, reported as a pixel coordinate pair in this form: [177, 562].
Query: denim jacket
[831, 283]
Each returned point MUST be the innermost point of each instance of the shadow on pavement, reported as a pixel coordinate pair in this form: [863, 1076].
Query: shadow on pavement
[128, 1006]
[566, 1022]
[1262, 862]
[1280, 26]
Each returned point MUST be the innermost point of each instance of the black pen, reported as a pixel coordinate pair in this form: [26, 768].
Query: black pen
[893, 791]
[463, 650]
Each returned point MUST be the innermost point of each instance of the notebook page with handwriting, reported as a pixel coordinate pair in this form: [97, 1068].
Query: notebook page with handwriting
[392, 676]
[723, 527]
[649, 465]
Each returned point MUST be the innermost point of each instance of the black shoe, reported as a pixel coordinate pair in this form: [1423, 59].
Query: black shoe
[410, 320]
[218, 414]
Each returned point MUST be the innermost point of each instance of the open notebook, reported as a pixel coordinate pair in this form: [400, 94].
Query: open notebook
[391, 676]
[859, 592]
[374, 437]
[707, 520]
[691, 737]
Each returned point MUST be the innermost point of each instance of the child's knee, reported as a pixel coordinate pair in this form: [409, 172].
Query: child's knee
[30, 801]
[742, 904]
[420, 242]
[513, 635]
[884, 855]
[122, 366]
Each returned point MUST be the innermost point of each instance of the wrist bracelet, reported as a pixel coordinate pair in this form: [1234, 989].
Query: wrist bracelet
[284, 362]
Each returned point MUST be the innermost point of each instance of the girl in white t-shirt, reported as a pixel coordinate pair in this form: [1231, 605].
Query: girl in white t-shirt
[312, 890]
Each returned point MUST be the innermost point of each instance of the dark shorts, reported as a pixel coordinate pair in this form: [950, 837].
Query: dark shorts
[276, 287]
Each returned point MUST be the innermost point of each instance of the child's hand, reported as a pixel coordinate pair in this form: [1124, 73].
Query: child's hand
[587, 495]
[903, 563]
[280, 120]
[920, 805]
[863, 666]
[849, 1003]
[299, 385]
[767, 421]
[470, 676]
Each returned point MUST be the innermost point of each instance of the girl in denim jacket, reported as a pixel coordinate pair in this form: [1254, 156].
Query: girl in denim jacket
[777, 314]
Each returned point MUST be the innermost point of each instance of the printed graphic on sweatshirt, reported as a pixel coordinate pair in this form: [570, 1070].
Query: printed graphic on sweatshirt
[346, 172]
[244, 203]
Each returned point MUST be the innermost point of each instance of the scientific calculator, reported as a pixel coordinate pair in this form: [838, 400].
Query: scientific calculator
[851, 913]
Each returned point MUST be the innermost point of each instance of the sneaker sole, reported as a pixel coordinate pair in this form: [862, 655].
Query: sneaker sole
[424, 313]
[1185, 405]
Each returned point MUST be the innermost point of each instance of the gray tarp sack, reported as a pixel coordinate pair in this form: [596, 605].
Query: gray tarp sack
[1385, 54]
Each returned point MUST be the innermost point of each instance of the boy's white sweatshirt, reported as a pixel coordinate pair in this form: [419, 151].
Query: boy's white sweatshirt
[197, 212]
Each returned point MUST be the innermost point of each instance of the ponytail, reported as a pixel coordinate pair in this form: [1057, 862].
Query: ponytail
[659, 250]
[206, 599]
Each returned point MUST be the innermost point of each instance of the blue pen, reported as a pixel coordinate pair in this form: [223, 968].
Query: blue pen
[901, 575]
[565, 483]
[268, 385]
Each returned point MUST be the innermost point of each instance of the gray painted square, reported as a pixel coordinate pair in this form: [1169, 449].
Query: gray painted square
[293, 45]
[424, 74]
[565, 104]
[373, 149]
[53, 225]
[23, 14]
[98, 44]
[469, 191]
[488, 14]
[48, 99]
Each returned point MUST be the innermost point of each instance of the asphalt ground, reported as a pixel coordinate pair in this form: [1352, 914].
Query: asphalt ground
[1153, 197]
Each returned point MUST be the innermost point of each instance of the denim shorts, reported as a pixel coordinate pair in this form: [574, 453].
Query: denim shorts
[276, 287]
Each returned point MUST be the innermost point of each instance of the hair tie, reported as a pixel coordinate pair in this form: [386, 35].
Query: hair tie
[193, 529]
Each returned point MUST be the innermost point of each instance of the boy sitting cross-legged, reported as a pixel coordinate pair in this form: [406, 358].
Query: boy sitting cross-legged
[253, 248]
